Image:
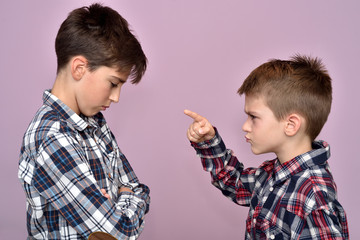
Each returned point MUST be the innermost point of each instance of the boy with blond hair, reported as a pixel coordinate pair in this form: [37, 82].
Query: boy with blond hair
[293, 196]
[76, 179]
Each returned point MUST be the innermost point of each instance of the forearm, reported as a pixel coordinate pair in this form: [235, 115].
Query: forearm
[226, 171]
[75, 194]
[127, 180]
[142, 191]
[93, 212]
[132, 210]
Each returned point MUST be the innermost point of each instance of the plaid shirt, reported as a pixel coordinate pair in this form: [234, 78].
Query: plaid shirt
[65, 160]
[294, 200]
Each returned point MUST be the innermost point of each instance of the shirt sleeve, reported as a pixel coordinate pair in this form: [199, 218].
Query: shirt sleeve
[127, 174]
[227, 173]
[63, 177]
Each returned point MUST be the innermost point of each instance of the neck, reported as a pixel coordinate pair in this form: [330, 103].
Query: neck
[62, 90]
[294, 149]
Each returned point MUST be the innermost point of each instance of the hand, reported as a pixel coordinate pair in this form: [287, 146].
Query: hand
[125, 189]
[122, 189]
[103, 191]
[201, 129]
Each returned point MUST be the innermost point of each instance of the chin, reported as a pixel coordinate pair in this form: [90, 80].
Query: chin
[256, 151]
[91, 114]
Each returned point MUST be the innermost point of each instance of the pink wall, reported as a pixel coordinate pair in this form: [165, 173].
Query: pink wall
[199, 52]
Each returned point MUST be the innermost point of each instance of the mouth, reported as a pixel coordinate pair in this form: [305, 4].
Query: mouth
[104, 107]
[247, 139]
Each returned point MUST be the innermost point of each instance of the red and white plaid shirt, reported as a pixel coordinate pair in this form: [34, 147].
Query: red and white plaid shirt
[294, 200]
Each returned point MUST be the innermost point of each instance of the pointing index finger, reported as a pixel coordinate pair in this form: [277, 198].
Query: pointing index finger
[193, 115]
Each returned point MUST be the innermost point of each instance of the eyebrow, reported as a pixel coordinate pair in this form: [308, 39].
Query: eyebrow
[118, 79]
[250, 112]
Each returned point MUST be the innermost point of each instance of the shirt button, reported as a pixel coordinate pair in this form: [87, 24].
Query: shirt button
[271, 189]
[272, 236]
[254, 220]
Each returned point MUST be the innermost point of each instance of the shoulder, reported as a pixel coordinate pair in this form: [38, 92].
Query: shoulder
[312, 189]
[45, 123]
[46, 119]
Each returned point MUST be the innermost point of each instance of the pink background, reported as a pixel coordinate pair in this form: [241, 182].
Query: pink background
[199, 53]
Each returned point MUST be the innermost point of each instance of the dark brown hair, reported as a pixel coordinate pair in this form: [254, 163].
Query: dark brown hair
[300, 85]
[103, 37]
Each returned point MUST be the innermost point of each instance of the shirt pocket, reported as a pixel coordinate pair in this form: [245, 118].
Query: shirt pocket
[283, 224]
[272, 231]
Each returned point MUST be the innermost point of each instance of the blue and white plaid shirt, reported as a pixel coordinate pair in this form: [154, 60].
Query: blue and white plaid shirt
[65, 160]
[294, 200]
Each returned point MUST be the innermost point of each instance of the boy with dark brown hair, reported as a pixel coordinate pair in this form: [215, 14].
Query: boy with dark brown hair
[293, 196]
[76, 179]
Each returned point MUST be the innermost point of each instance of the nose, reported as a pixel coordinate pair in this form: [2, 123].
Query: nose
[246, 125]
[115, 95]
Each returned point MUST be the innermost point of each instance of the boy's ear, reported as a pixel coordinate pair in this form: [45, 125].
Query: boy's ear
[293, 123]
[78, 67]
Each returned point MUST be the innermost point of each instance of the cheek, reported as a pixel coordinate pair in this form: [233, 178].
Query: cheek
[101, 91]
[254, 124]
[273, 132]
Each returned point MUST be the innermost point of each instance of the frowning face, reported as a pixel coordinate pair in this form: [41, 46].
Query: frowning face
[263, 130]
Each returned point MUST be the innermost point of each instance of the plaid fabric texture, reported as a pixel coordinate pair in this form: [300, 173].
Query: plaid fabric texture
[65, 160]
[294, 200]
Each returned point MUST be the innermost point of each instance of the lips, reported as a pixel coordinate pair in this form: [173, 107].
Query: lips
[247, 139]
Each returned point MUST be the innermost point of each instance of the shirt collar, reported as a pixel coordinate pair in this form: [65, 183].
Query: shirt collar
[64, 111]
[95, 121]
[317, 156]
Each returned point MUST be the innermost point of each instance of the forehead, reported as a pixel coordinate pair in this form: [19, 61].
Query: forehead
[255, 104]
[113, 72]
[253, 100]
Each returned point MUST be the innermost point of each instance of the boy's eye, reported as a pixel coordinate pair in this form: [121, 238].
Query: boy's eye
[252, 116]
[113, 85]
